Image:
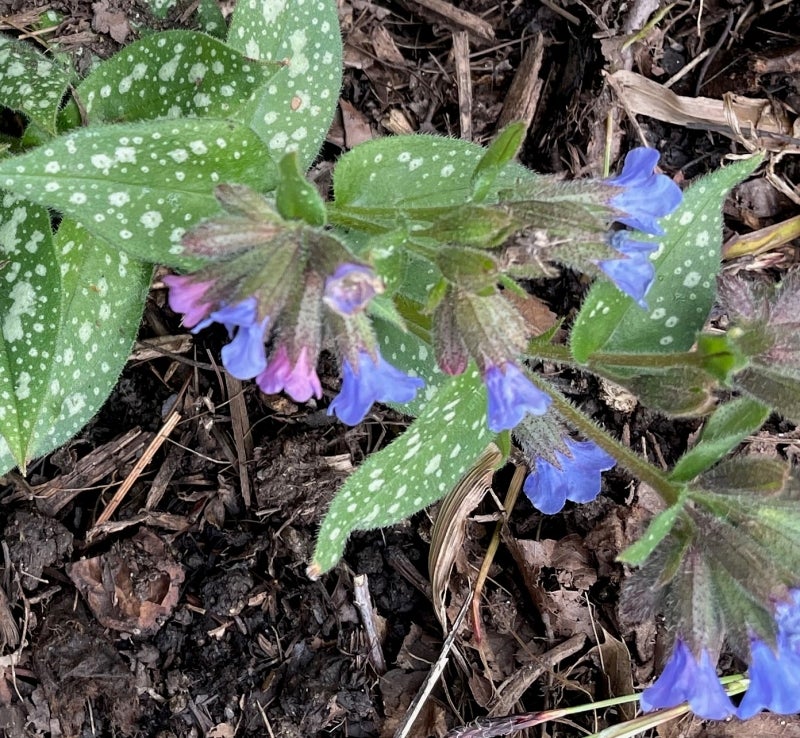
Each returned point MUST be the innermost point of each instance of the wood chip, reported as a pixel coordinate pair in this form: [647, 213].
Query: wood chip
[101, 463]
[474, 25]
[526, 87]
[463, 82]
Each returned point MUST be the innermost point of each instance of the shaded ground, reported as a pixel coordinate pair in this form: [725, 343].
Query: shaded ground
[195, 616]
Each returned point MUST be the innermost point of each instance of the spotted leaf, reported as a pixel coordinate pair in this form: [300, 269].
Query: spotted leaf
[31, 83]
[409, 353]
[379, 177]
[70, 315]
[412, 472]
[140, 186]
[293, 111]
[176, 74]
[161, 8]
[687, 263]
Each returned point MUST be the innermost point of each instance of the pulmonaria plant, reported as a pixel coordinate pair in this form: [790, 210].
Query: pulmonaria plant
[297, 283]
[411, 276]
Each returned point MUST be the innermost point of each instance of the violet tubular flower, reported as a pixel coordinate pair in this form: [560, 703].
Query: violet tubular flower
[350, 288]
[299, 379]
[186, 296]
[371, 380]
[775, 674]
[634, 273]
[548, 487]
[244, 357]
[510, 396]
[646, 196]
[687, 679]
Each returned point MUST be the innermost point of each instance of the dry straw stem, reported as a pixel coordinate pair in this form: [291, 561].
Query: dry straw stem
[449, 530]
[753, 122]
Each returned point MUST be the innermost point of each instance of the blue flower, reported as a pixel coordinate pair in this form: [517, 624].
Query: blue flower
[634, 273]
[685, 679]
[548, 487]
[350, 288]
[775, 674]
[647, 196]
[510, 396]
[371, 380]
[244, 357]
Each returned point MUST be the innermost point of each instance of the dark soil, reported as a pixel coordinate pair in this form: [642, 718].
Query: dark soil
[189, 613]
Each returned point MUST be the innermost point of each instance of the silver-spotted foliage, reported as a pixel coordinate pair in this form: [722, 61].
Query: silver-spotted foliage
[189, 149]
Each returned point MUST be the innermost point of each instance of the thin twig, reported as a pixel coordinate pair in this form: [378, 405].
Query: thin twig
[433, 675]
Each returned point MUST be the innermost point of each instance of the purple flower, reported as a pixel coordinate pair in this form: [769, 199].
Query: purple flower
[371, 380]
[634, 273]
[685, 679]
[185, 297]
[510, 396]
[578, 479]
[775, 674]
[647, 196]
[350, 288]
[299, 381]
[244, 357]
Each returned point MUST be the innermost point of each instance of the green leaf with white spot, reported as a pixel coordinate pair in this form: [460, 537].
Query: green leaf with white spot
[160, 8]
[31, 83]
[412, 355]
[687, 263]
[411, 173]
[30, 310]
[413, 471]
[69, 320]
[175, 74]
[140, 186]
[210, 19]
[730, 424]
[294, 110]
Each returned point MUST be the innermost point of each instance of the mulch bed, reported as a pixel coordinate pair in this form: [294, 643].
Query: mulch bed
[182, 608]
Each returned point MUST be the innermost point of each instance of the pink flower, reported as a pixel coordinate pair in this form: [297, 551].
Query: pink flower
[185, 297]
[300, 381]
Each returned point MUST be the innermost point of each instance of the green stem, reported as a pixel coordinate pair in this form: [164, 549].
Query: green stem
[627, 459]
[562, 355]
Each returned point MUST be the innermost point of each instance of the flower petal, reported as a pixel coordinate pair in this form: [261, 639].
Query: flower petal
[185, 297]
[510, 396]
[350, 288]
[578, 479]
[684, 679]
[774, 682]
[300, 381]
[245, 357]
[371, 381]
[634, 272]
[647, 196]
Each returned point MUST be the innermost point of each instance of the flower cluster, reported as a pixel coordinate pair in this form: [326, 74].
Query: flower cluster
[297, 317]
[774, 675]
[645, 197]
[296, 285]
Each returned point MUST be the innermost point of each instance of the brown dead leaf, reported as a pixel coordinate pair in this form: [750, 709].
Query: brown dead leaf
[538, 316]
[384, 46]
[114, 23]
[740, 118]
[133, 587]
[398, 688]
[356, 126]
[615, 660]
